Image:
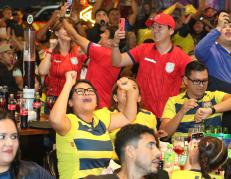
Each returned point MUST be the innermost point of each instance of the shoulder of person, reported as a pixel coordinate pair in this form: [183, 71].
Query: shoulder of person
[108, 176]
[31, 170]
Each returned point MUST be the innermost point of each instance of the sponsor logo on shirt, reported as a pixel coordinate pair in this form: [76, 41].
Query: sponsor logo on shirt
[94, 44]
[74, 60]
[57, 61]
[149, 60]
[169, 67]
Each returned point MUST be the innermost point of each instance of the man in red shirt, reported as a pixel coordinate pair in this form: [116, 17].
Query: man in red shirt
[100, 71]
[161, 64]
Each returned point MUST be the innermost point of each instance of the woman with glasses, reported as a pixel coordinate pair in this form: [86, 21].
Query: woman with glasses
[82, 140]
[204, 159]
[11, 167]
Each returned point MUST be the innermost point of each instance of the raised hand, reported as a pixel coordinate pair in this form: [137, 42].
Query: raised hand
[118, 35]
[189, 104]
[124, 83]
[71, 77]
[222, 20]
[202, 113]
[53, 43]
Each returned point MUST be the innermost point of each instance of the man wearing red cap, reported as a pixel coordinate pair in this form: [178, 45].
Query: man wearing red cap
[161, 64]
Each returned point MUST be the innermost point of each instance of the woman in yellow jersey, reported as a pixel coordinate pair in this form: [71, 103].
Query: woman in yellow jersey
[82, 140]
[143, 116]
[204, 159]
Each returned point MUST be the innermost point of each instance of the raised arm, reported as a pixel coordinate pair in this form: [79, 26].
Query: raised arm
[97, 6]
[45, 64]
[125, 117]
[203, 47]
[133, 15]
[170, 125]
[80, 40]
[77, 24]
[58, 120]
[118, 59]
[41, 35]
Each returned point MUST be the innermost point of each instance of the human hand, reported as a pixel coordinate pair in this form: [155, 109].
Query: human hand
[118, 35]
[162, 134]
[222, 20]
[189, 104]
[53, 43]
[202, 113]
[71, 77]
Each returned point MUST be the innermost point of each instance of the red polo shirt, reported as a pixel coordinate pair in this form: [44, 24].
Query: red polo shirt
[59, 66]
[101, 73]
[159, 76]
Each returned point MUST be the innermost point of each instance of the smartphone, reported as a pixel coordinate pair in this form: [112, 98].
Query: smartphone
[122, 24]
[68, 11]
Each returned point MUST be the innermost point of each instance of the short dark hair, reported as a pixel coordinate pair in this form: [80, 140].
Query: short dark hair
[112, 31]
[113, 9]
[130, 133]
[99, 10]
[194, 66]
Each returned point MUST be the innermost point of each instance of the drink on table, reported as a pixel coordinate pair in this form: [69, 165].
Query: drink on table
[37, 105]
[12, 106]
[23, 115]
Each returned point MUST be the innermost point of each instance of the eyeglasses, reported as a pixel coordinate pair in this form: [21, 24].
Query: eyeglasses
[198, 82]
[82, 91]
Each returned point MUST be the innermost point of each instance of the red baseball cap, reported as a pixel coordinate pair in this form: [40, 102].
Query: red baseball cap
[163, 19]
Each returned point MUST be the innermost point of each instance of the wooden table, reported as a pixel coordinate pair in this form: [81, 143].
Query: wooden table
[29, 131]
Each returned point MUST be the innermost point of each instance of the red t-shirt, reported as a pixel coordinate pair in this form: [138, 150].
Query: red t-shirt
[59, 66]
[101, 73]
[159, 76]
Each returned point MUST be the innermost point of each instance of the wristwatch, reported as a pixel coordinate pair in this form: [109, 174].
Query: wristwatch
[213, 109]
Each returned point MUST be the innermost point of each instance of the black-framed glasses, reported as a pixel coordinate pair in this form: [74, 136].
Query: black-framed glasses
[198, 82]
[82, 91]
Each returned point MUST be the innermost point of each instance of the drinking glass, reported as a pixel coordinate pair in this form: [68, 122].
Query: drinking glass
[178, 146]
[50, 100]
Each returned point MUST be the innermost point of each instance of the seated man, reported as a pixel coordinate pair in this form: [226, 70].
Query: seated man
[180, 110]
[137, 148]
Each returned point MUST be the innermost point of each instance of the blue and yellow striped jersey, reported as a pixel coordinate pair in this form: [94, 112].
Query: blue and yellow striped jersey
[143, 117]
[86, 149]
[209, 99]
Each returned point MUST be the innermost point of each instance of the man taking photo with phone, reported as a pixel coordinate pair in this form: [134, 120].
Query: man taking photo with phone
[161, 64]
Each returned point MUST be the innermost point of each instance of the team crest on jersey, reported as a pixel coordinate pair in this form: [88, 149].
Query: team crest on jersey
[169, 67]
[74, 60]
[207, 104]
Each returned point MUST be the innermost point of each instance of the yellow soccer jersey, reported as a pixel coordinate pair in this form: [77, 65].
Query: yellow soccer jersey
[86, 149]
[186, 174]
[143, 117]
[175, 103]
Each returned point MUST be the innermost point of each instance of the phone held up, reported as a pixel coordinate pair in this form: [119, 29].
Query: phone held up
[122, 24]
[68, 11]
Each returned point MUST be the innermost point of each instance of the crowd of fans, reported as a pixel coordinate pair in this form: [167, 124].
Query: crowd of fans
[106, 76]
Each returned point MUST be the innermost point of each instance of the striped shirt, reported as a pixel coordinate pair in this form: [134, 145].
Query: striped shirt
[209, 99]
[86, 149]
